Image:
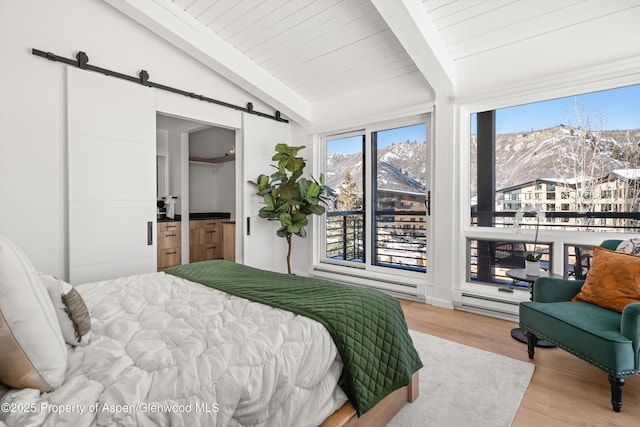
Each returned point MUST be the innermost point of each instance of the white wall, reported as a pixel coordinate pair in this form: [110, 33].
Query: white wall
[174, 142]
[212, 186]
[33, 198]
[383, 101]
[573, 50]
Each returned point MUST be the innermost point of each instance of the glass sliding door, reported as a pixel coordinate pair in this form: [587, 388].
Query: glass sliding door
[345, 219]
[400, 197]
[377, 225]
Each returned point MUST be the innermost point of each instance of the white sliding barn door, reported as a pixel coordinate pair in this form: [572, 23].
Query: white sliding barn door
[112, 177]
[261, 247]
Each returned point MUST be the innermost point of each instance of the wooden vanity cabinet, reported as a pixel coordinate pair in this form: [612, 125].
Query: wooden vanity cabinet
[205, 239]
[169, 243]
[229, 241]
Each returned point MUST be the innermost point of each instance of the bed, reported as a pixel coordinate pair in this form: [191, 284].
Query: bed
[219, 343]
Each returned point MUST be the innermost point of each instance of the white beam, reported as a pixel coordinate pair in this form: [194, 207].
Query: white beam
[412, 25]
[173, 24]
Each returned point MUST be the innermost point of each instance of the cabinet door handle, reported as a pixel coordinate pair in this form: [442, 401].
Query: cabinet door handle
[171, 226]
[211, 247]
[209, 232]
[170, 253]
[170, 235]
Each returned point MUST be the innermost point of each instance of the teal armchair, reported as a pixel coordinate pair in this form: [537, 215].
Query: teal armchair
[605, 338]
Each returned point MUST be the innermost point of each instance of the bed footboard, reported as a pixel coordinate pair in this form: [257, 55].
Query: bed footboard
[379, 415]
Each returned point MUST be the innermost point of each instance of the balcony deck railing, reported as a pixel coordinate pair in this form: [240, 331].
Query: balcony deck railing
[490, 271]
[621, 222]
[345, 235]
[400, 238]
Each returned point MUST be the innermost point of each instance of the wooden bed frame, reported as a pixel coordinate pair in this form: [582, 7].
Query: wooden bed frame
[379, 415]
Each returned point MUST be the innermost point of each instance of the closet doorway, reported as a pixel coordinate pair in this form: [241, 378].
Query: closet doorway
[199, 188]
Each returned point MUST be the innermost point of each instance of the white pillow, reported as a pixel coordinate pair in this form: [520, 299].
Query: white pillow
[631, 246]
[71, 310]
[33, 353]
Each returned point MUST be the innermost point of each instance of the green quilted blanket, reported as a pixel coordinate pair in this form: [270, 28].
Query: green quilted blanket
[368, 327]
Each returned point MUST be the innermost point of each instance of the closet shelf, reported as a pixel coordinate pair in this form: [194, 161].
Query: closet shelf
[229, 158]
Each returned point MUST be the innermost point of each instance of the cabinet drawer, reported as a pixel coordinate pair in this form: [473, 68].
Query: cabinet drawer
[213, 251]
[169, 239]
[168, 226]
[205, 232]
[205, 252]
[168, 257]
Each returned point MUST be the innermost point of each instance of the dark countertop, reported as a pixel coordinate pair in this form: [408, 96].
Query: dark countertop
[209, 215]
[200, 215]
[177, 218]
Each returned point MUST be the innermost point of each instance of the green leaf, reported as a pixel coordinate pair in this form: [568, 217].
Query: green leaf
[293, 229]
[313, 190]
[282, 232]
[299, 218]
[316, 209]
[296, 164]
[267, 213]
[303, 185]
[282, 148]
[295, 175]
[269, 200]
[285, 219]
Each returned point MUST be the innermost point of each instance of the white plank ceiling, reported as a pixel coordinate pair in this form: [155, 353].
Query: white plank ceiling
[319, 48]
[473, 27]
[316, 47]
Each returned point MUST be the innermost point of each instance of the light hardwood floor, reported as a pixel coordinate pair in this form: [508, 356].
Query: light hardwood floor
[564, 390]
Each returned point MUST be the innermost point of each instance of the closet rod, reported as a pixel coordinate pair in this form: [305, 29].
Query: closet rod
[82, 62]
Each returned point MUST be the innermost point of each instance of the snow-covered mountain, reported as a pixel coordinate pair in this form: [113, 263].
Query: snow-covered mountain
[558, 152]
[561, 152]
[400, 167]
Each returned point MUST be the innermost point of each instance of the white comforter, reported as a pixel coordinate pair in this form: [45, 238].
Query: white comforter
[167, 351]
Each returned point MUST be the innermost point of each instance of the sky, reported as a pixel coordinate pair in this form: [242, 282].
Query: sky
[385, 138]
[619, 109]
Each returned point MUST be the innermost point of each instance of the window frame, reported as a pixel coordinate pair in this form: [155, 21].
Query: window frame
[323, 222]
[549, 89]
[367, 269]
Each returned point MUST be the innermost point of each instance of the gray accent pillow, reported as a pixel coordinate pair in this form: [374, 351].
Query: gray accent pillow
[71, 310]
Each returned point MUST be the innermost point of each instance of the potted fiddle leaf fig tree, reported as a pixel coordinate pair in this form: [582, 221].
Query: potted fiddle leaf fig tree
[290, 198]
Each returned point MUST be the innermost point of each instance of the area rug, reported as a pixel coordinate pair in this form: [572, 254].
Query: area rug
[464, 386]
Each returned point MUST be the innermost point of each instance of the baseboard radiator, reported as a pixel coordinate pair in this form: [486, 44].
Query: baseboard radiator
[394, 288]
[486, 305]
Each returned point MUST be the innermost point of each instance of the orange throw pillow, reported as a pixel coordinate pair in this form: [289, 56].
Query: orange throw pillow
[613, 280]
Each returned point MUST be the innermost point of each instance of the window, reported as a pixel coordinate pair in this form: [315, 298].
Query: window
[583, 146]
[576, 149]
[378, 219]
[345, 225]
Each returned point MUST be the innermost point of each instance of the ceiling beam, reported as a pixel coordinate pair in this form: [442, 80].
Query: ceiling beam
[173, 24]
[412, 25]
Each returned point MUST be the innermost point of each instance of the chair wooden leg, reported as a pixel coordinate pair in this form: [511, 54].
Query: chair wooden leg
[617, 385]
[531, 344]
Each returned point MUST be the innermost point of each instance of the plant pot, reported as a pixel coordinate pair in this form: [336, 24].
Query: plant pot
[532, 268]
